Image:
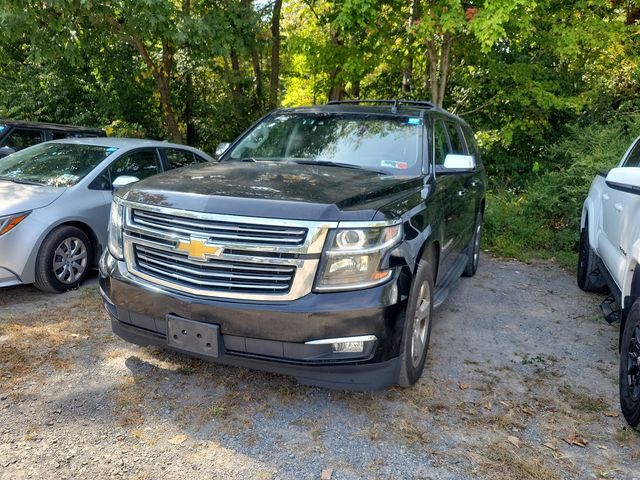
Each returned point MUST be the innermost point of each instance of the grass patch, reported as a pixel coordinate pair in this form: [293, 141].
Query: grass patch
[583, 402]
[41, 337]
[501, 461]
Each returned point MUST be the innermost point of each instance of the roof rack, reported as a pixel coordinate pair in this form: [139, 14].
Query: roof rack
[394, 103]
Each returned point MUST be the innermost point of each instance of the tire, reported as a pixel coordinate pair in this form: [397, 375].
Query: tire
[474, 249]
[417, 319]
[64, 260]
[589, 279]
[630, 368]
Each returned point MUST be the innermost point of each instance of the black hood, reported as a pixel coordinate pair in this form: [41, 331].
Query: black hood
[274, 189]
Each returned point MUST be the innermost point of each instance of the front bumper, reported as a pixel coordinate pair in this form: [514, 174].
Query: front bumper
[270, 336]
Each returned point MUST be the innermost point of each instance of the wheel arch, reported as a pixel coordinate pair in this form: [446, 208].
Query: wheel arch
[429, 248]
[630, 298]
[88, 231]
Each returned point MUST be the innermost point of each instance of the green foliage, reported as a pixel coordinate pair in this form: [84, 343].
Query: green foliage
[543, 218]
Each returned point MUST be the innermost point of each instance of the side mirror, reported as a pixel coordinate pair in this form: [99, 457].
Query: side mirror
[220, 149]
[459, 162]
[5, 151]
[626, 179]
[123, 181]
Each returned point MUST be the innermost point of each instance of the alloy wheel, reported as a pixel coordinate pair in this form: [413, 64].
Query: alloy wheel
[633, 365]
[421, 321]
[70, 260]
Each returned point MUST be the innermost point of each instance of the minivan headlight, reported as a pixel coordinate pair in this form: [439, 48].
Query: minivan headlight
[115, 229]
[353, 257]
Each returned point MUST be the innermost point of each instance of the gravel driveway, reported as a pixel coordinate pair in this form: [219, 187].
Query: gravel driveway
[520, 383]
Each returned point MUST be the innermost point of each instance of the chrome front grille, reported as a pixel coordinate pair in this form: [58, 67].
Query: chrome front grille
[221, 275]
[218, 231]
[234, 257]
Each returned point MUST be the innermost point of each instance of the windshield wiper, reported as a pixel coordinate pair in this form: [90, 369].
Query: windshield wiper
[327, 163]
[17, 180]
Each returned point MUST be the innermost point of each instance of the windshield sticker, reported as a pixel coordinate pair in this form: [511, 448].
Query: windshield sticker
[2, 127]
[392, 164]
[110, 150]
[414, 121]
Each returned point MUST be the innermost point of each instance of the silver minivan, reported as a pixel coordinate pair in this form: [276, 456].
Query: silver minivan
[55, 199]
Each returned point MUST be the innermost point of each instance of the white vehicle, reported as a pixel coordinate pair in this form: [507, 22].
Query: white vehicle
[609, 257]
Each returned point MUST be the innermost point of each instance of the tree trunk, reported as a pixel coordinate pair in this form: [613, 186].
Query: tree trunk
[161, 75]
[257, 73]
[407, 76]
[438, 60]
[235, 77]
[188, 110]
[355, 89]
[337, 89]
[188, 100]
[275, 54]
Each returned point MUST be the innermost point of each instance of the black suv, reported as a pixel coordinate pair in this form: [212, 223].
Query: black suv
[318, 246]
[16, 135]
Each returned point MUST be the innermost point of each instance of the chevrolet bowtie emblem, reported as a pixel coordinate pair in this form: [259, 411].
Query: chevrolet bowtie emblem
[197, 248]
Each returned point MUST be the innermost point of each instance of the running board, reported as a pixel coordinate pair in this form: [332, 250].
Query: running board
[442, 292]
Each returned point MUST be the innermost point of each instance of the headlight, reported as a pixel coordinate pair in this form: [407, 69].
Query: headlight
[115, 229]
[9, 222]
[353, 257]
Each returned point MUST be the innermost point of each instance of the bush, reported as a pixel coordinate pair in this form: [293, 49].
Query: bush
[542, 220]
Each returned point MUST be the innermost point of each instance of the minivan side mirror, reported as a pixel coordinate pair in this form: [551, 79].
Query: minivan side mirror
[5, 151]
[459, 162]
[220, 149]
[123, 181]
[626, 179]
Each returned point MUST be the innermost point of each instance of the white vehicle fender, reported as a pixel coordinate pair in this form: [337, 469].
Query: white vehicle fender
[589, 213]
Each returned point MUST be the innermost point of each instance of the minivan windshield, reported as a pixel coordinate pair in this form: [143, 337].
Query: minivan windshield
[390, 144]
[54, 164]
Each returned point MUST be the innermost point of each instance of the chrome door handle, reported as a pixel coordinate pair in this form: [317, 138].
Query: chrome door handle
[462, 193]
[474, 183]
[618, 207]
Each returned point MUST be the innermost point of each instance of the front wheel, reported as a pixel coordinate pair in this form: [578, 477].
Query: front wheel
[417, 325]
[630, 367]
[64, 260]
[588, 278]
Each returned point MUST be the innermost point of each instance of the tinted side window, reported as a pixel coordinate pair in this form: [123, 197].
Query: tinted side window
[471, 143]
[141, 164]
[21, 138]
[633, 160]
[180, 158]
[457, 144]
[441, 142]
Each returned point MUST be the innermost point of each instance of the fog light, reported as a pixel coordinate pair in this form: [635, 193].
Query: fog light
[346, 344]
[348, 347]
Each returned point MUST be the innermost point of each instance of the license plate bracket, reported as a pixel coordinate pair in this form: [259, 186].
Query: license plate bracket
[194, 337]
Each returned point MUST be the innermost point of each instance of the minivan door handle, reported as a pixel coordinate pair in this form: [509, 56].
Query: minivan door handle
[462, 193]
[605, 196]
[618, 207]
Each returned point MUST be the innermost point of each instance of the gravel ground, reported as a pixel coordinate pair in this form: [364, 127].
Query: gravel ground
[520, 383]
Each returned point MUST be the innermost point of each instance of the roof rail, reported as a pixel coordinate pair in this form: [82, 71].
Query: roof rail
[395, 103]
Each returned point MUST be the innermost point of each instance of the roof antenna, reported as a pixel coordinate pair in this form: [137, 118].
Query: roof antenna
[394, 107]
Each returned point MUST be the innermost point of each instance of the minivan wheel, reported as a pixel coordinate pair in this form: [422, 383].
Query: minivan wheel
[587, 259]
[417, 326]
[474, 249]
[64, 260]
[630, 367]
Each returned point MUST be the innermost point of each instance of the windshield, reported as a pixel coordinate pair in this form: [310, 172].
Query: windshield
[54, 164]
[374, 142]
